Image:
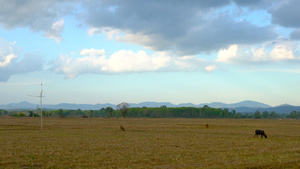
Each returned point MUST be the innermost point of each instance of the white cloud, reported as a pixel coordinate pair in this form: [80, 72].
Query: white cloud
[8, 53]
[280, 52]
[92, 51]
[94, 31]
[11, 63]
[259, 54]
[128, 61]
[158, 27]
[55, 31]
[6, 59]
[124, 61]
[226, 55]
[210, 68]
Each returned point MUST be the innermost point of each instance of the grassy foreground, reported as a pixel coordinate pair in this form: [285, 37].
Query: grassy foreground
[148, 143]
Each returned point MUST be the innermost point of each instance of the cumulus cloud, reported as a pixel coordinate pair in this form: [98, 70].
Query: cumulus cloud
[281, 52]
[229, 54]
[38, 16]
[11, 63]
[295, 35]
[278, 52]
[186, 28]
[210, 35]
[286, 14]
[124, 61]
[8, 53]
[55, 31]
[189, 27]
[6, 59]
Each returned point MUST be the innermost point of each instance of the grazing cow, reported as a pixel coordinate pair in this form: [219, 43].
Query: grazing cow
[260, 132]
[207, 126]
[122, 128]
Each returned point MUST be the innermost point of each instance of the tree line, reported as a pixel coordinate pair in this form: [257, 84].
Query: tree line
[123, 110]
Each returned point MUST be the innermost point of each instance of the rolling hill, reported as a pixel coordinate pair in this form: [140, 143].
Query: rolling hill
[241, 107]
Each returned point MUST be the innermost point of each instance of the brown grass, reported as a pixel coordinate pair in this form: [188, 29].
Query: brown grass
[148, 143]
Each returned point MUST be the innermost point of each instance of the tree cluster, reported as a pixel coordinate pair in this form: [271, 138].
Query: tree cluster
[123, 110]
[183, 112]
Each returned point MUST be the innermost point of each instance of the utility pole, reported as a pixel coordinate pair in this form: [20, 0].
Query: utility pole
[41, 102]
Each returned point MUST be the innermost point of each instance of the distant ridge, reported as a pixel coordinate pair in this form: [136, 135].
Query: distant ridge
[247, 103]
[152, 104]
[241, 107]
[79, 106]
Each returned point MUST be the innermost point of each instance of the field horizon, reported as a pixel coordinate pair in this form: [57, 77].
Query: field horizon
[148, 143]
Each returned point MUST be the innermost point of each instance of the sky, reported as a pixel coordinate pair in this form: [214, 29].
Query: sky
[113, 51]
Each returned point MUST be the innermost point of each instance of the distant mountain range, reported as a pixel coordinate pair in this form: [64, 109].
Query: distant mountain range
[241, 107]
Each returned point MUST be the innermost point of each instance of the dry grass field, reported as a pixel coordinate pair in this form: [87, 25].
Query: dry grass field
[148, 143]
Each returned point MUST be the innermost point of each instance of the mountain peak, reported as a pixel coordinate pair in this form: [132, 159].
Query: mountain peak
[252, 104]
[284, 105]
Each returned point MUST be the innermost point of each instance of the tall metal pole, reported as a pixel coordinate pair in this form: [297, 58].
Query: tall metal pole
[41, 96]
[41, 102]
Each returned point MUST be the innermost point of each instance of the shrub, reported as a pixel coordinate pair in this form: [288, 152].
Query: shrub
[21, 115]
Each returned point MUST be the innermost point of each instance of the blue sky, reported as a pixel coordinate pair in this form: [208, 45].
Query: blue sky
[90, 52]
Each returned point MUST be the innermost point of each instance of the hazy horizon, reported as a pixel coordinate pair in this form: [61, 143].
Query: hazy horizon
[137, 103]
[89, 52]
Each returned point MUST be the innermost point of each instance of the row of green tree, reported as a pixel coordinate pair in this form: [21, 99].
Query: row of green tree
[204, 112]
[160, 112]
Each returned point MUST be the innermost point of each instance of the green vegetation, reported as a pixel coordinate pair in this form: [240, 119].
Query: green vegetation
[204, 112]
[109, 111]
[148, 143]
[159, 112]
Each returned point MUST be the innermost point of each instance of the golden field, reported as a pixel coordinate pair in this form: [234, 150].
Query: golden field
[148, 143]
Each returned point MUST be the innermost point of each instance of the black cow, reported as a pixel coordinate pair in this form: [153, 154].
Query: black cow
[260, 132]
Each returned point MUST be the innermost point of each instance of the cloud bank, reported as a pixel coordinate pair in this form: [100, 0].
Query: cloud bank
[125, 61]
[191, 27]
[279, 52]
[178, 33]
